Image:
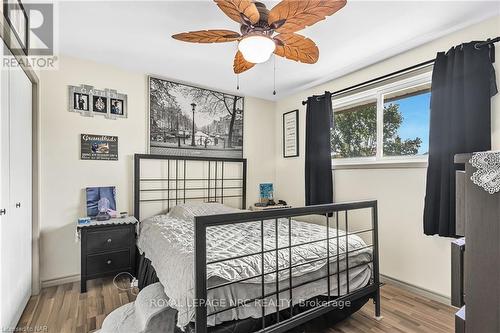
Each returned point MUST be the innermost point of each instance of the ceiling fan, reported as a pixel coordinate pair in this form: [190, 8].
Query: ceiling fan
[257, 40]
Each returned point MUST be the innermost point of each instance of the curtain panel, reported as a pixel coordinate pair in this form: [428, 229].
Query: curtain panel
[463, 82]
[318, 158]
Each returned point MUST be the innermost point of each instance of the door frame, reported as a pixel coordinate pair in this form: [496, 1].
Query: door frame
[6, 34]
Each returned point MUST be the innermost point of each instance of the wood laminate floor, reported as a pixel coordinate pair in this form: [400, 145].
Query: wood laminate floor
[63, 309]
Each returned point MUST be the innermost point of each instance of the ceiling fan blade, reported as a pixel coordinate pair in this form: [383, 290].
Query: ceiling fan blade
[208, 36]
[296, 47]
[240, 64]
[236, 8]
[292, 15]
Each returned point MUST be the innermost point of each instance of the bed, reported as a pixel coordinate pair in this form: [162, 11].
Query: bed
[226, 269]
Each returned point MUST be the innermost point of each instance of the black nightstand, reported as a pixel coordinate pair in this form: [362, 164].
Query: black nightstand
[108, 248]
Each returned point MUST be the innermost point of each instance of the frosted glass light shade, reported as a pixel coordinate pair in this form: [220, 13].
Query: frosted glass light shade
[256, 49]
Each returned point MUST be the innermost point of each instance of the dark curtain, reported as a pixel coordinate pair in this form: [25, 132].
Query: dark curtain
[463, 82]
[318, 167]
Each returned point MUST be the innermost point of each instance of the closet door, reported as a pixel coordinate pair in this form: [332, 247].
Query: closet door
[4, 191]
[16, 233]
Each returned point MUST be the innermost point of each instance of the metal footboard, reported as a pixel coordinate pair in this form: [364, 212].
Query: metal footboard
[329, 212]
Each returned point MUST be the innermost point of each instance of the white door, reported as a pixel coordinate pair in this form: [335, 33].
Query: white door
[15, 243]
[4, 188]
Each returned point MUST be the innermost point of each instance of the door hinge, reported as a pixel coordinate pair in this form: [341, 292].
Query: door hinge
[3, 211]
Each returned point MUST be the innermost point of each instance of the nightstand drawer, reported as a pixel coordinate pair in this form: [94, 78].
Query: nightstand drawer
[106, 240]
[107, 248]
[108, 262]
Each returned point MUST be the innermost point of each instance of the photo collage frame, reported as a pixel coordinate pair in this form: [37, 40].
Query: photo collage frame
[89, 102]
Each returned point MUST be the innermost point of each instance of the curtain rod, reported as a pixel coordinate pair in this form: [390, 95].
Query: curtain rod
[380, 78]
[489, 41]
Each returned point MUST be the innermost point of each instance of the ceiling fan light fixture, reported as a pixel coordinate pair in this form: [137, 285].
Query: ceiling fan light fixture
[256, 48]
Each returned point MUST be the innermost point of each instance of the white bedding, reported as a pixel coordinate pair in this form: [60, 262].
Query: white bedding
[168, 241]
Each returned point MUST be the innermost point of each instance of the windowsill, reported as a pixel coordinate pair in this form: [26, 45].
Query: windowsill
[408, 163]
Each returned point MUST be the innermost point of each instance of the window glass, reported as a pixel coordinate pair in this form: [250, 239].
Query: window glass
[354, 131]
[406, 121]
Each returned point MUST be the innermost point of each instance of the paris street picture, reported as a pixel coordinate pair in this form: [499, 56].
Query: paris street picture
[191, 121]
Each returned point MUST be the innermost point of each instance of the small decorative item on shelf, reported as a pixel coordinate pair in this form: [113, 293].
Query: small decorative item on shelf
[266, 192]
[123, 215]
[258, 206]
[101, 202]
[84, 220]
[103, 206]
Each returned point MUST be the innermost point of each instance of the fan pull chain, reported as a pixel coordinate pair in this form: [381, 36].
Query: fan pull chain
[274, 76]
[237, 81]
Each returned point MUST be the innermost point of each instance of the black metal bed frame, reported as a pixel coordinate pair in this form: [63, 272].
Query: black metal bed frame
[214, 182]
[371, 290]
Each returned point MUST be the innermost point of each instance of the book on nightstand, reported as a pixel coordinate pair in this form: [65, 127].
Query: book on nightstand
[269, 207]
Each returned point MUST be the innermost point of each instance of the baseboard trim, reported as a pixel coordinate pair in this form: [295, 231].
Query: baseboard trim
[417, 290]
[59, 281]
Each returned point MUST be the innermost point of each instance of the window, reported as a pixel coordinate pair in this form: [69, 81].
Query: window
[355, 130]
[383, 124]
[406, 121]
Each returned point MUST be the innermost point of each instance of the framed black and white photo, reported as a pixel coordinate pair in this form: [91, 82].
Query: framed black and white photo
[190, 121]
[99, 104]
[89, 101]
[80, 102]
[291, 134]
[116, 106]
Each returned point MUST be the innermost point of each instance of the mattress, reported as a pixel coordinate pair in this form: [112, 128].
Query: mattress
[168, 242]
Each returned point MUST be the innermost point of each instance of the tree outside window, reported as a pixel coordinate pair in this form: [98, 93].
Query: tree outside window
[405, 126]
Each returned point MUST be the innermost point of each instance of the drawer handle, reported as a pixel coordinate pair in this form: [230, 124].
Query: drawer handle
[108, 262]
[109, 240]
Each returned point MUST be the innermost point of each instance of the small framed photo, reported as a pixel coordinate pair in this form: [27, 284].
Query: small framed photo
[266, 192]
[80, 101]
[116, 107]
[291, 134]
[99, 104]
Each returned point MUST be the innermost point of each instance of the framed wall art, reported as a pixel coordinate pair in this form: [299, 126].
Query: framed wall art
[98, 147]
[190, 121]
[89, 102]
[291, 134]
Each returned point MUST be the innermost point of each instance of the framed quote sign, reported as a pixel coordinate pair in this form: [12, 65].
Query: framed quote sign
[99, 147]
[291, 134]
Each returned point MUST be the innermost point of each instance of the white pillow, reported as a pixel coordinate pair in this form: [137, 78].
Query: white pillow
[188, 211]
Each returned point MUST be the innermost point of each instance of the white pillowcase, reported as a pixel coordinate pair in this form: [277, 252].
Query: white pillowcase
[188, 211]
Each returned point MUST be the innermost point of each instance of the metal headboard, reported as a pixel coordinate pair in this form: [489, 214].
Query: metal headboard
[212, 183]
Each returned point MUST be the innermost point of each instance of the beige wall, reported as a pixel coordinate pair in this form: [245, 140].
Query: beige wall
[64, 175]
[405, 253]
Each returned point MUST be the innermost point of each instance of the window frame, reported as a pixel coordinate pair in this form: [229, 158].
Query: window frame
[378, 94]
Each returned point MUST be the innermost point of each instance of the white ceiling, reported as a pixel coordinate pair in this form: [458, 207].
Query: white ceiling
[136, 35]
